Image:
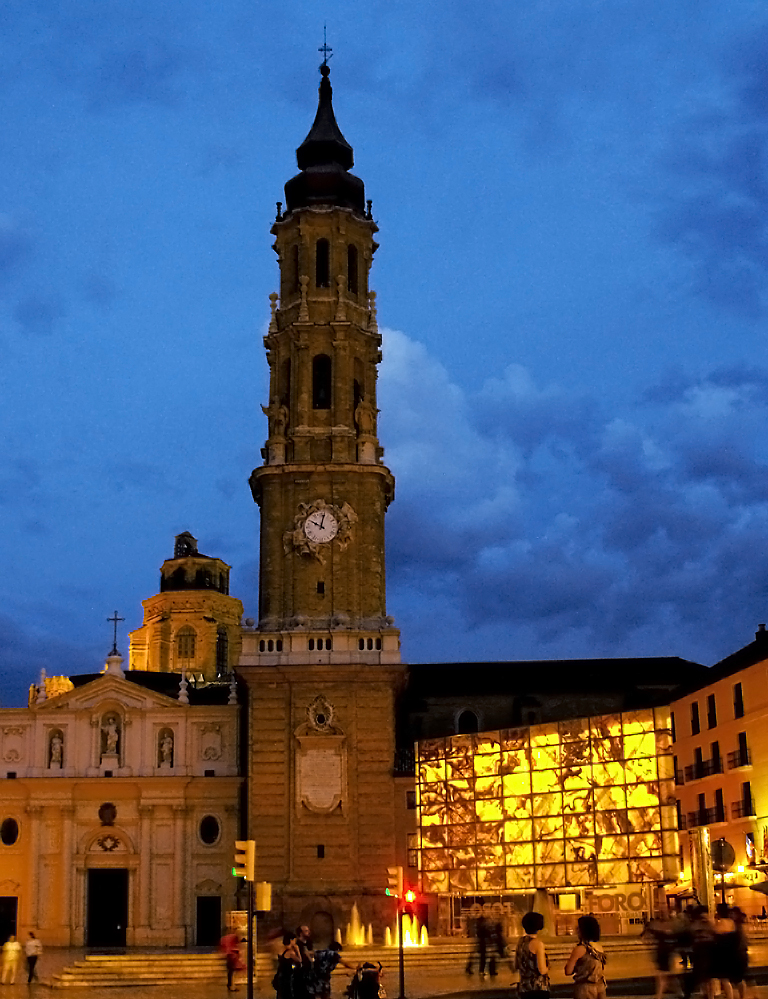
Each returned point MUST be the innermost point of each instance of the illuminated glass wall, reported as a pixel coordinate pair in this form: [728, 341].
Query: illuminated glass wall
[580, 803]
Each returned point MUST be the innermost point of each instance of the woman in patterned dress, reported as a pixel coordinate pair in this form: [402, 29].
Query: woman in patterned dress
[531, 959]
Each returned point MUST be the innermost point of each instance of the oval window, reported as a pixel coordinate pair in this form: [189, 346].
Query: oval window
[9, 831]
[209, 830]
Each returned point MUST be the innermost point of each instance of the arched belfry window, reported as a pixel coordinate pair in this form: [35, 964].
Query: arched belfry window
[322, 263]
[321, 382]
[185, 643]
[352, 269]
[467, 723]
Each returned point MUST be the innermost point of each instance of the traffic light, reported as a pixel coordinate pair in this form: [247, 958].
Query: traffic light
[263, 896]
[395, 881]
[245, 859]
[409, 897]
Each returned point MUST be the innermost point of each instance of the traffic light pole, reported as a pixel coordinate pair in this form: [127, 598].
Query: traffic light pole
[249, 992]
[400, 948]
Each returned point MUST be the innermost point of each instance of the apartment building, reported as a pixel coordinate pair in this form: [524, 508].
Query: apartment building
[720, 741]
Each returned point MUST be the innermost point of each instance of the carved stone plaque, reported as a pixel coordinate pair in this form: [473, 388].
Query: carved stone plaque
[320, 772]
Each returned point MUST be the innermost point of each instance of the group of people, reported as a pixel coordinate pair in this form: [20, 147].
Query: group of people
[304, 972]
[586, 962]
[711, 951]
[33, 948]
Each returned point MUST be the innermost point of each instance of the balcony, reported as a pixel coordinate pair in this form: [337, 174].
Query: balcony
[679, 778]
[739, 758]
[742, 809]
[704, 769]
[706, 817]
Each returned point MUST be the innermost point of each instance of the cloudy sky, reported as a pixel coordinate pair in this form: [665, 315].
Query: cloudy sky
[572, 281]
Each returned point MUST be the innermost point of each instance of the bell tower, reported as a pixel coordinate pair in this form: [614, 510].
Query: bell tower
[323, 663]
[323, 489]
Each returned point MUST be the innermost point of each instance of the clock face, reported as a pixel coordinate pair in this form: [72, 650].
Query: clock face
[321, 526]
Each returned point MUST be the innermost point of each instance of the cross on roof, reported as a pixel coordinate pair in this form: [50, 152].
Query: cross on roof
[325, 48]
[114, 619]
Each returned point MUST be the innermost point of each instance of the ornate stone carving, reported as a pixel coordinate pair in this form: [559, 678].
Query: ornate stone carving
[108, 843]
[320, 715]
[321, 759]
[13, 743]
[210, 742]
[297, 541]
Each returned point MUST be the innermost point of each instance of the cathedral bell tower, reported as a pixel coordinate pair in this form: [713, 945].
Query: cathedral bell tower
[323, 489]
[323, 663]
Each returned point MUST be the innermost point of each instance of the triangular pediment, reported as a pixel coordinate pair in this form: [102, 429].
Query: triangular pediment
[109, 687]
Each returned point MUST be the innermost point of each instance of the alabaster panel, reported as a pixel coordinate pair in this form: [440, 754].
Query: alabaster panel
[577, 803]
[491, 879]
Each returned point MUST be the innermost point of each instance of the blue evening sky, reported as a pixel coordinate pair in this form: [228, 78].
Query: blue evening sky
[572, 284]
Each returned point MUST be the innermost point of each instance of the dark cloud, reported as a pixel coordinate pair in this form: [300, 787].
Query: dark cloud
[38, 314]
[147, 72]
[16, 245]
[99, 289]
[717, 196]
[642, 528]
[23, 654]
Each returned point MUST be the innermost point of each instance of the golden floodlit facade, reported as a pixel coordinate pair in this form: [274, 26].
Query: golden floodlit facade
[585, 804]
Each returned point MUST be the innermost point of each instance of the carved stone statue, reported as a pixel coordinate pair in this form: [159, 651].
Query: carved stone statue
[166, 750]
[365, 415]
[277, 418]
[57, 751]
[109, 736]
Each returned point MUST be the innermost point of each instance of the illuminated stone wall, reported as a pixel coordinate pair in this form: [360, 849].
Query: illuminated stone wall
[580, 803]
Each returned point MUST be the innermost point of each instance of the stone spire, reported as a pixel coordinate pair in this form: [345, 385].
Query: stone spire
[325, 158]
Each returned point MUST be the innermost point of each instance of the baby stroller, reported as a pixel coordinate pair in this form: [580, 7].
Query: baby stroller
[366, 982]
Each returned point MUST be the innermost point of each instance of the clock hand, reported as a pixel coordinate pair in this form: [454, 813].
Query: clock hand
[322, 518]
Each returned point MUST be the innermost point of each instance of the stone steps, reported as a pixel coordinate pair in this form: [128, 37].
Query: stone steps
[135, 969]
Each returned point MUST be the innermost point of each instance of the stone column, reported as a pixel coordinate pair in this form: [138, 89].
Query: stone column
[144, 872]
[67, 812]
[35, 813]
[181, 871]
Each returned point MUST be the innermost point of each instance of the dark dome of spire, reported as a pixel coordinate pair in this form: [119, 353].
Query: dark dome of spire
[324, 159]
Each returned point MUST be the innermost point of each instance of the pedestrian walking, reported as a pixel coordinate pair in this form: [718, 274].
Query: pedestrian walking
[587, 961]
[33, 948]
[326, 961]
[11, 955]
[230, 948]
[662, 931]
[481, 946]
[531, 959]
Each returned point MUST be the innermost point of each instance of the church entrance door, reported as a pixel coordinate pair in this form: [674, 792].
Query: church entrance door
[8, 907]
[208, 920]
[107, 907]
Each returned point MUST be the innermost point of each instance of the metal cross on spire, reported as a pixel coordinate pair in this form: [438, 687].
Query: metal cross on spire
[325, 47]
[114, 620]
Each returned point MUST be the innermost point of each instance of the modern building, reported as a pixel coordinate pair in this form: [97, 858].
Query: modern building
[721, 768]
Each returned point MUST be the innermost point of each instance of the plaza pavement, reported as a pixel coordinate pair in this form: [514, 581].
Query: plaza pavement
[629, 974]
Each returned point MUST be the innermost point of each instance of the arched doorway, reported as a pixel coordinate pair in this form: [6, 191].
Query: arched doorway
[321, 929]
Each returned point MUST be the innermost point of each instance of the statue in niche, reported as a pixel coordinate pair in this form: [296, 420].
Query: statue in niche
[365, 417]
[110, 733]
[56, 752]
[277, 418]
[166, 750]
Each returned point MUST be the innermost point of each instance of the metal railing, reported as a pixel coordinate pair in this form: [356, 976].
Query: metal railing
[741, 809]
[706, 817]
[705, 768]
[739, 758]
